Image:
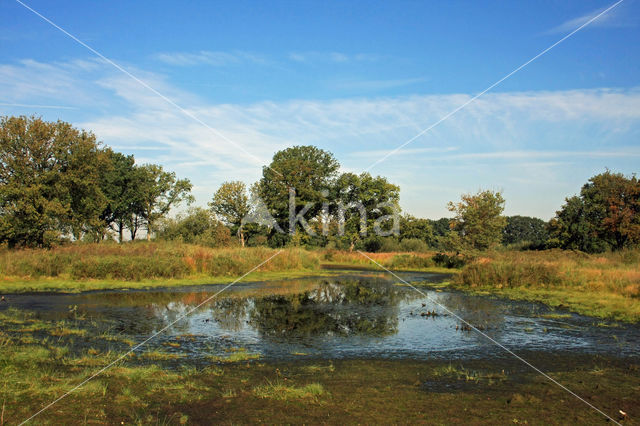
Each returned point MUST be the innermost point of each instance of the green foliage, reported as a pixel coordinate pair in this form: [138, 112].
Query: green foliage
[606, 215]
[478, 221]
[376, 196]
[198, 226]
[412, 228]
[524, 229]
[159, 191]
[308, 170]
[231, 204]
[119, 183]
[49, 181]
[441, 227]
[448, 261]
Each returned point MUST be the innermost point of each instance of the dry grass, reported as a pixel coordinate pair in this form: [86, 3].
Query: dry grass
[141, 260]
[603, 285]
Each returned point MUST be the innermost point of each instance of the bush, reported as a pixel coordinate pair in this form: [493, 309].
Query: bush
[413, 244]
[446, 261]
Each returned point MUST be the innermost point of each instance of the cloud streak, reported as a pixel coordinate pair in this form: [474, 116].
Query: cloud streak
[211, 58]
[612, 19]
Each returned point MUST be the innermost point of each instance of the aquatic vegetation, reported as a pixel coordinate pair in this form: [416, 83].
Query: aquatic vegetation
[282, 391]
[555, 315]
[330, 368]
[235, 355]
[159, 356]
[461, 373]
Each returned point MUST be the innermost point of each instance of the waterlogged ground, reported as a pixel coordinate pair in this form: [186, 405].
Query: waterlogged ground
[350, 316]
[358, 347]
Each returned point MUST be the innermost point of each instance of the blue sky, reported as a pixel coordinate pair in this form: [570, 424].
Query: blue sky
[356, 78]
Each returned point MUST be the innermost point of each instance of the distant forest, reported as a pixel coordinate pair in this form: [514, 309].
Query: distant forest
[59, 185]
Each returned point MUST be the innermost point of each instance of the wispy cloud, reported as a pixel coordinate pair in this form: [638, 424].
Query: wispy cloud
[374, 85]
[332, 57]
[615, 18]
[409, 151]
[551, 154]
[212, 58]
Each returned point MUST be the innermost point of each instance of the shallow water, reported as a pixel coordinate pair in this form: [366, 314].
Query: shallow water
[354, 315]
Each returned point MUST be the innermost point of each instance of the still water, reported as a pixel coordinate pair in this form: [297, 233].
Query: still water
[356, 314]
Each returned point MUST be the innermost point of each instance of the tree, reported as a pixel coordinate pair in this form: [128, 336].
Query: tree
[415, 228]
[49, 181]
[606, 215]
[521, 229]
[159, 191]
[231, 204]
[478, 221]
[119, 185]
[441, 227]
[307, 170]
[365, 201]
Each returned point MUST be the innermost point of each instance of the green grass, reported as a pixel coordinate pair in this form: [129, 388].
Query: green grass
[235, 355]
[282, 391]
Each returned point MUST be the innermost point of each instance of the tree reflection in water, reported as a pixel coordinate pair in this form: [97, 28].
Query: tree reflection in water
[355, 307]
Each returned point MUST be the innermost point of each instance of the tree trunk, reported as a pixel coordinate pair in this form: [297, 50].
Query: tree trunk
[241, 235]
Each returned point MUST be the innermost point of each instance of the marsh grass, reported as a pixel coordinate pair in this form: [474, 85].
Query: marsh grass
[235, 355]
[141, 264]
[145, 260]
[279, 390]
[81, 267]
[604, 285]
[461, 373]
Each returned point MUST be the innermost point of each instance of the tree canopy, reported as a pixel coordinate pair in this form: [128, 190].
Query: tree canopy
[606, 215]
[231, 204]
[478, 220]
[57, 182]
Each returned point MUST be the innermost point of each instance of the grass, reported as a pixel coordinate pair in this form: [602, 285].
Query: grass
[285, 392]
[141, 264]
[604, 286]
[460, 373]
[235, 355]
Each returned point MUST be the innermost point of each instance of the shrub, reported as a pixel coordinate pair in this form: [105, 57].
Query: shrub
[446, 261]
[413, 244]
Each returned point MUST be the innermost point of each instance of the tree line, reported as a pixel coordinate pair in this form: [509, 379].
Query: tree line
[58, 183]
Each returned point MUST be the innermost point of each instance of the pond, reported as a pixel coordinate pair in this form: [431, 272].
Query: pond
[354, 314]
